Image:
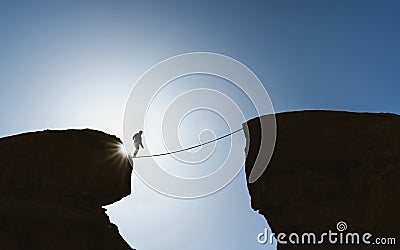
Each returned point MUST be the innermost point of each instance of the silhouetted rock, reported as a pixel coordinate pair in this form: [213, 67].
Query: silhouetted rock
[53, 184]
[329, 167]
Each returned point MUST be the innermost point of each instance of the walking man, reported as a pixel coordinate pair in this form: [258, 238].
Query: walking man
[137, 142]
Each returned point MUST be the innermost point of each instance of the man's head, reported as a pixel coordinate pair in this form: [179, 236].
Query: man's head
[140, 132]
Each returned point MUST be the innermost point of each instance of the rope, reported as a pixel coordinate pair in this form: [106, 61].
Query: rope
[185, 149]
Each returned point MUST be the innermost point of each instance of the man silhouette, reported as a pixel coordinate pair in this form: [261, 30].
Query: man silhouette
[137, 141]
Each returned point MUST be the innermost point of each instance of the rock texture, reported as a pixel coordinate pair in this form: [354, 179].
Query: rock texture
[53, 186]
[329, 167]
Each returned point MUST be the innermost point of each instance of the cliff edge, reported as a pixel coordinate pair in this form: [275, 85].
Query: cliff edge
[329, 167]
[53, 186]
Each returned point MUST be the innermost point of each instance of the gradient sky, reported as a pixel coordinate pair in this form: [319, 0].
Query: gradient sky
[72, 64]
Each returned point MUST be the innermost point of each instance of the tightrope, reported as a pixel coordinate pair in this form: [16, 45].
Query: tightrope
[185, 149]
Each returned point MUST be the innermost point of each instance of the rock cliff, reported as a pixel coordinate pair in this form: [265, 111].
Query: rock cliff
[53, 186]
[328, 167]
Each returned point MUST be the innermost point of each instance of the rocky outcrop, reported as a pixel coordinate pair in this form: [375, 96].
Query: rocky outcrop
[53, 186]
[329, 167]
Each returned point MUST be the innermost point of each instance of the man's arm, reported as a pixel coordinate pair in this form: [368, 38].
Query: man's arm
[141, 145]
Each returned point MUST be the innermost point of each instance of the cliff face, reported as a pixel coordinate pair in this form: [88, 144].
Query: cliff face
[53, 184]
[329, 167]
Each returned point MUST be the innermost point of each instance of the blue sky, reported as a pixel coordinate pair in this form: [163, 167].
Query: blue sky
[72, 64]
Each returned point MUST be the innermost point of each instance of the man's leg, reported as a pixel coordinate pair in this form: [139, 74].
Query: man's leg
[136, 151]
